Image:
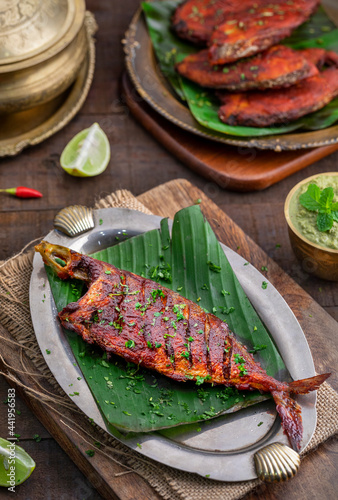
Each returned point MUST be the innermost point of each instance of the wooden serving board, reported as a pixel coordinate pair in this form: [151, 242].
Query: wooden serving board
[234, 168]
[320, 329]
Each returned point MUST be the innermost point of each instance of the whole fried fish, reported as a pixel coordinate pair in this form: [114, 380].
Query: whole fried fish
[276, 67]
[274, 106]
[155, 327]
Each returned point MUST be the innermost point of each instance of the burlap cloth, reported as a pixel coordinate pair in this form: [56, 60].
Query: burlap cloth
[169, 483]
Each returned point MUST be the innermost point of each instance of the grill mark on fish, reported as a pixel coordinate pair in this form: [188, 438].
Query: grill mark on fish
[206, 338]
[227, 358]
[186, 315]
[206, 357]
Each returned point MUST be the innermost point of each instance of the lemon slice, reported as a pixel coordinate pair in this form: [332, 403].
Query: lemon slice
[87, 154]
[15, 464]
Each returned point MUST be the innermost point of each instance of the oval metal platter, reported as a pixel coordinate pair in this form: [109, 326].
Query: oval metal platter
[225, 446]
[155, 90]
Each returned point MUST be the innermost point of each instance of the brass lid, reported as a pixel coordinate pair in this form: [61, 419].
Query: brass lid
[29, 28]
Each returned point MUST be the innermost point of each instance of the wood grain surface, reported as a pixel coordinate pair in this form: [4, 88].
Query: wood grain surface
[238, 169]
[139, 163]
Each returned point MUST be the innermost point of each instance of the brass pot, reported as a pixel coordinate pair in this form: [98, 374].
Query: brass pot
[42, 47]
[316, 260]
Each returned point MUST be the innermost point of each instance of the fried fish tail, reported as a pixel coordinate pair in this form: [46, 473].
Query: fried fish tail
[308, 384]
[290, 411]
[287, 408]
[291, 417]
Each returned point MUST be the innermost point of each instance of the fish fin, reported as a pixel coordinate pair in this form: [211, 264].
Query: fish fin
[290, 414]
[308, 384]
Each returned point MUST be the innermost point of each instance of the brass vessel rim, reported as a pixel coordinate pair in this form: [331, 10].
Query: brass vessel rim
[288, 218]
[77, 15]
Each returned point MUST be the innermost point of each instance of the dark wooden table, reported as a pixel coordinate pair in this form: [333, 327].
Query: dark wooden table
[137, 163]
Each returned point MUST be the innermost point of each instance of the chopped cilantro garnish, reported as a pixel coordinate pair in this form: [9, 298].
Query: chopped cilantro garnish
[238, 359]
[257, 348]
[130, 343]
[214, 267]
[156, 293]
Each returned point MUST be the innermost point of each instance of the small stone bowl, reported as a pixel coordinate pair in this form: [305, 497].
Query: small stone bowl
[316, 260]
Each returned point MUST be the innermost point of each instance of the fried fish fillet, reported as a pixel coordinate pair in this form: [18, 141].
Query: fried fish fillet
[195, 20]
[155, 327]
[257, 109]
[258, 29]
[279, 66]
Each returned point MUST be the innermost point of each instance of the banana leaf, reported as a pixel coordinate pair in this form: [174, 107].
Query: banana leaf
[192, 262]
[318, 31]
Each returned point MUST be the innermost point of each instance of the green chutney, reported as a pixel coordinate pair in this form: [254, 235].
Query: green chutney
[305, 221]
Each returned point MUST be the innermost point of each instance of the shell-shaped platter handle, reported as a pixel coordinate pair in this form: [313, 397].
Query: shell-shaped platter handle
[74, 220]
[276, 463]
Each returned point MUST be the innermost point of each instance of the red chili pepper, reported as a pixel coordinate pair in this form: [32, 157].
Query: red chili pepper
[23, 192]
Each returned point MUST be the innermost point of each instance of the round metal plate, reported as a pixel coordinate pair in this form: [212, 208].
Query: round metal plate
[153, 88]
[225, 446]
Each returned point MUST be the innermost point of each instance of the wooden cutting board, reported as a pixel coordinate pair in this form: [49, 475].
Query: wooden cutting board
[320, 328]
[234, 168]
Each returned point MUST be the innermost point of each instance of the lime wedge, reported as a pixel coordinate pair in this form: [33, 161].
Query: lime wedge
[15, 464]
[87, 154]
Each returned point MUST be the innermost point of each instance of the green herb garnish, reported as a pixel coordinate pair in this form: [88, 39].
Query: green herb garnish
[321, 201]
[214, 267]
[257, 348]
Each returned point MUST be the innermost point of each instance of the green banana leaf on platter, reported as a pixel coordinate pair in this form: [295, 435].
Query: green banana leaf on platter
[191, 261]
[318, 31]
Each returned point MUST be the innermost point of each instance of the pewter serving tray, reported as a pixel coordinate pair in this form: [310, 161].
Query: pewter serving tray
[225, 446]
